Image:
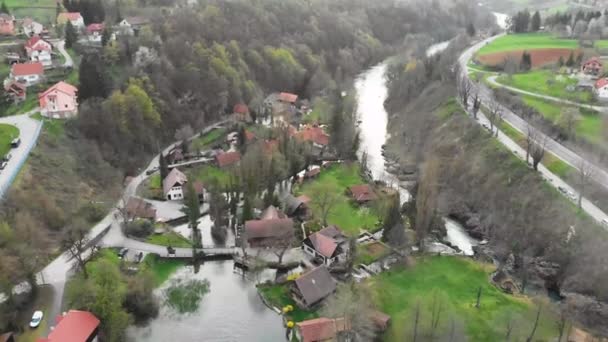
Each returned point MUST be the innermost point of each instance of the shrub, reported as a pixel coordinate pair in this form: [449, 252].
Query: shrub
[139, 228]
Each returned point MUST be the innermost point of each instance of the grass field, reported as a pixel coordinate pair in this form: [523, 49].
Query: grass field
[7, 133]
[545, 82]
[169, 239]
[41, 10]
[454, 282]
[278, 295]
[346, 215]
[209, 174]
[161, 268]
[368, 253]
[528, 41]
[207, 140]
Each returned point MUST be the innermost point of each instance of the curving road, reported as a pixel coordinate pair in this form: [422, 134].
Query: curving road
[518, 123]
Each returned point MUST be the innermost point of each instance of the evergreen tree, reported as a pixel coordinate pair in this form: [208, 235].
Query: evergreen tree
[560, 61]
[526, 61]
[471, 29]
[105, 36]
[93, 81]
[4, 8]
[247, 209]
[163, 166]
[192, 210]
[118, 14]
[392, 218]
[57, 11]
[536, 22]
[71, 36]
[570, 61]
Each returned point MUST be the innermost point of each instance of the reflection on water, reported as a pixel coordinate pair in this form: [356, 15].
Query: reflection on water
[231, 311]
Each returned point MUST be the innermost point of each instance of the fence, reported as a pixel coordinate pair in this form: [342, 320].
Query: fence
[21, 160]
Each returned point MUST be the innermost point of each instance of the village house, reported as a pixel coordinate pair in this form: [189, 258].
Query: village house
[132, 25]
[15, 91]
[74, 326]
[314, 135]
[312, 287]
[39, 50]
[139, 208]
[73, 17]
[95, 31]
[320, 329]
[288, 98]
[272, 213]
[7, 24]
[327, 246]
[31, 28]
[601, 88]
[296, 206]
[362, 194]
[240, 112]
[226, 159]
[593, 67]
[59, 101]
[173, 185]
[27, 73]
[266, 232]
[175, 156]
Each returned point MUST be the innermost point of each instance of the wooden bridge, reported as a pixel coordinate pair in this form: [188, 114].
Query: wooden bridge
[205, 251]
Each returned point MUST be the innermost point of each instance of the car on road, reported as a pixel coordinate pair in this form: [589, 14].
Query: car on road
[151, 171]
[36, 319]
[605, 222]
[3, 165]
[16, 142]
[562, 190]
[7, 157]
[123, 252]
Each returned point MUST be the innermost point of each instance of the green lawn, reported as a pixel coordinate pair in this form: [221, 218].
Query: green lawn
[455, 282]
[528, 41]
[41, 10]
[7, 133]
[278, 295]
[161, 268]
[209, 174]
[169, 239]
[345, 214]
[321, 108]
[206, 141]
[545, 82]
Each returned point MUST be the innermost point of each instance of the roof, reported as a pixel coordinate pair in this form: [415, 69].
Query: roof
[95, 27]
[69, 16]
[321, 329]
[292, 204]
[304, 199]
[4, 337]
[273, 228]
[15, 86]
[174, 177]
[4, 17]
[362, 193]
[312, 173]
[380, 319]
[323, 244]
[240, 108]
[62, 87]
[314, 134]
[137, 207]
[199, 187]
[137, 20]
[315, 285]
[22, 69]
[228, 158]
[271, 213]
[601, 82]
[288, 97]
[331, 231]
[75, 326]
[35, 40]
[593, 60]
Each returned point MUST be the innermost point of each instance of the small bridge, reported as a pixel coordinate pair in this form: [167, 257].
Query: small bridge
[206, 251]
[190, 162]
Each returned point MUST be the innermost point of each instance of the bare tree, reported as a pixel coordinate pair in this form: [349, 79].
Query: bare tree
[536, 143]
[495, 115]
[76, 243]
[352, 303]
[510, 66]
[184, 133]
[282, 243]
[436, 310]
[476, 105]
[324, 197]
[535, 326]
[585, 174]
[416, 320]
[561, 325]
[464, 89]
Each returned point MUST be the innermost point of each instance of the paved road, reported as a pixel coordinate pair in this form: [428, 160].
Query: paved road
[492, 80]
[29, 131]
[60, 46]
[560, 151]
[599, 174]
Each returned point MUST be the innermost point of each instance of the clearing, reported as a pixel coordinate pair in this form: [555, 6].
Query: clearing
[43, 11]
[528, 41]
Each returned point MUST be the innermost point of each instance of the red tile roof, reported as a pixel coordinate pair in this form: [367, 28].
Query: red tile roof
[23, 69]
[240, 108]
[95, 27]
[199, 187]
[314, 134]
[228, 158]
[70, 15]
[63, 87]
[288, 97]
[362, 193]
[601, 82]
[75, 326]
[326, 246]
[593, 60]
[34, 40]
[321, 329]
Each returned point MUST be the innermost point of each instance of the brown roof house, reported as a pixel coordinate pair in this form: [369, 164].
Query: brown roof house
[173, 185]
[269, 232]
[320, 329]
[16, 91]
[362, 193]
[296, 206]
[311, 288]
[329, 245]
[272, 213]
[138, 208]
[240, 112]
[226, 159]
[593, 66]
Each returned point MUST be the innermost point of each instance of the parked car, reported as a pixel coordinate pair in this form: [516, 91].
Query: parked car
[123, 252]
[36, 319]
[7, 157]
[605, 222]
[16, 142]
[562, 189]
[3, 165]
[151, 171]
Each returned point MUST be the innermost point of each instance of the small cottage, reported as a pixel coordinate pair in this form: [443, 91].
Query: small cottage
[59, 101]
[362, 194]
[327, 246]
[95, 32]
[312, 287]
[138, 208]
[39, 50]
[173, 185]
[27, 73]
[601, 88]
[74, 326]
[240, 112]
[593, 67]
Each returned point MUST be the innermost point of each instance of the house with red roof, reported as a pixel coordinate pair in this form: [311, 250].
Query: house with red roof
[173, 185]
[315, 135]
[320, 329]
[266, 232]
[288, 98]
[593, 66]
[27, 73]
[74, 17]
[240, 112]
[362, 193]
[16, 91]
[327, 246]
[7, 24]
[95, 31]
[226, 159]
[74, 326]
[601, 88]
[59, 101]
[39, 50]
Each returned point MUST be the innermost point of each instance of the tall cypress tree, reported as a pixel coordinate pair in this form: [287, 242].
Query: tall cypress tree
[536, 22]
[71, 36]
[163, 166]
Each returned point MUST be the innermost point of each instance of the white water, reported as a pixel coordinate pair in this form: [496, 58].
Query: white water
[457, 236]
[501, 19]
[436, 48]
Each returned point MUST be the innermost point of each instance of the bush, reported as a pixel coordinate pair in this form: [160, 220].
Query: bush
[139, 228]
[219, 234]
[92, 212]
[140, 300]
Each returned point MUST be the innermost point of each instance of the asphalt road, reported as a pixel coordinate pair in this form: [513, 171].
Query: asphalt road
[29, 130]
[600, 175]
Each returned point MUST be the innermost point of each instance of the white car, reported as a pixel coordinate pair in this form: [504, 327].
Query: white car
[36, 319]
[605, 222]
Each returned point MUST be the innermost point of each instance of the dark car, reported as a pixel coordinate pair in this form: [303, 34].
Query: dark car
[16, 142]
[3, 165]
[123, 252]
[151, 171]
[7, 157]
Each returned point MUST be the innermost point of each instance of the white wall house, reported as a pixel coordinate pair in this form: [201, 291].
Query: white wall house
[601, 88]
[173, 185]
[27, 73]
